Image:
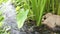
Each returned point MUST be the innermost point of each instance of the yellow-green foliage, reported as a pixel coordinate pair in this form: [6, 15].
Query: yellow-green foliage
[21, 17]
[2, 1]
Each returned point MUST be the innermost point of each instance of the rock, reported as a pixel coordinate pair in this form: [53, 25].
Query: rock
[14, 31]
[23, 33]
[37, 33]
[51, 21]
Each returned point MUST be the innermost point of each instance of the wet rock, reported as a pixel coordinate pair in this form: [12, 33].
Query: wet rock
[14, 31]
[37, 33]
[22, 33]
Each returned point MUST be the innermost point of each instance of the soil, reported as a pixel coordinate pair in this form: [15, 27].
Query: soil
[30, 28]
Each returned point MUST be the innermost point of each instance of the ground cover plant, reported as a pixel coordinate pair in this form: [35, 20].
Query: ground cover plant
[29, 13]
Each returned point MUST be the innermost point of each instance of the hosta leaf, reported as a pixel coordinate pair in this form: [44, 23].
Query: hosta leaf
[21, 17]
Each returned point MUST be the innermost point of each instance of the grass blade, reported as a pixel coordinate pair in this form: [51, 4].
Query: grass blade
[42, 5]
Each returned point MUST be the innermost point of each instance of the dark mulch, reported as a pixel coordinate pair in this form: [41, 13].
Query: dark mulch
[30, 28]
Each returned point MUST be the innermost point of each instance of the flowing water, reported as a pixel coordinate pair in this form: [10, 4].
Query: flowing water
[9, 14]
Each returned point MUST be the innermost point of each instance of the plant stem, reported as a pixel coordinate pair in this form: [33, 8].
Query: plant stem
[53, 6]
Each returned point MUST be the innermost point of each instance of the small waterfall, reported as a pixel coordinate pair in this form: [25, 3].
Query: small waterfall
[9, 14]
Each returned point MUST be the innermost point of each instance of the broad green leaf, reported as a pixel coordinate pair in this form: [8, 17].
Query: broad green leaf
[21, 17]
[1, 24]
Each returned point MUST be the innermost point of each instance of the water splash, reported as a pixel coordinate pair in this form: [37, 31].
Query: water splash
[9, 13]
[8, 9]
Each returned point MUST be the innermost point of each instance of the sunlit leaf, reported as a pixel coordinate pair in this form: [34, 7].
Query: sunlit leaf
[21, 17]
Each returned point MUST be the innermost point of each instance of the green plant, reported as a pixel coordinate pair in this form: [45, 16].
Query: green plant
[2, 1]
[22, 11]
[21, 17]
[38, 8]
[58, 10]
[53, 6]
[2, 31]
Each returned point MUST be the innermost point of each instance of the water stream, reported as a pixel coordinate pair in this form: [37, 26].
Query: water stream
[9, 14]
